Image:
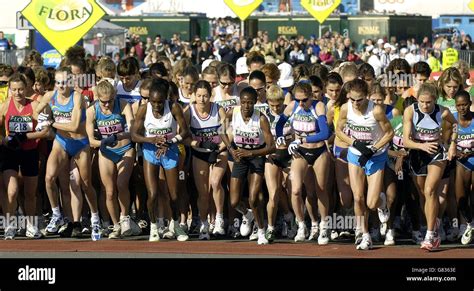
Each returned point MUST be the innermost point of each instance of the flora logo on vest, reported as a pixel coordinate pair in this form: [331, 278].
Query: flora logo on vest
[66, 15]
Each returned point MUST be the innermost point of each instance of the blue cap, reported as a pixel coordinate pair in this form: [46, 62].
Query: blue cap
[313, 36]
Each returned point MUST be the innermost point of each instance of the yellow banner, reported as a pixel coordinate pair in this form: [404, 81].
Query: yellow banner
[320, 9]
[243, 8]
[63, 22]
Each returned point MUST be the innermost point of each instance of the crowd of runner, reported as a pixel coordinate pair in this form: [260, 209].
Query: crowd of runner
[181, 149]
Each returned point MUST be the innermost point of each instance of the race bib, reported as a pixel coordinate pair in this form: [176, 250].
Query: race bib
[109, 127]
[62, 117]
[20, 124]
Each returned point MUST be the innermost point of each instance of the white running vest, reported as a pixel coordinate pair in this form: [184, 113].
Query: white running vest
[247, 135]
[164, 126]
[363, 127]
[205, 129]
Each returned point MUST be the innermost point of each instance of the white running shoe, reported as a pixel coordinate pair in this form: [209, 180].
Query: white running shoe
[314, 232]
[366, 243]
[334, 234]
[254, 235]
[125, 226]
[323, 238]
[383, 211]
[246, 226]
[180, 232]
[261, 239]
[116, 231]
[390, 238]
[54, 224]
[32, 231]
[219, 227]
[154, 235]
[96, 232]
[204, 232]
[467, 235]
[301, 234]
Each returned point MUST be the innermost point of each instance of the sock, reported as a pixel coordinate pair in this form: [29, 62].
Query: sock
[205, 223]
[429, 234]
[261, 231]
[315, 223]
[288, 217]
[56, 211]
[220, 216]
[270, 227]
[95, 219]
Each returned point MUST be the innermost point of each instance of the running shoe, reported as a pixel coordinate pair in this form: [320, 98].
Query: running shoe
[116, 232]
[96, 232]
[246, 226]
[10, 233]
[254, 234]
[204, 232]
[219, 227]
[467, 235]
[261, 239]
[270, 235]
[32, 231]
[180, 232]
[366, 243]
[390, 238]
[314, 232]
[431, 243]
[76, 230]
[323, 238]
[154, 236]
[54, 224]
[125, 225]
[301, 234]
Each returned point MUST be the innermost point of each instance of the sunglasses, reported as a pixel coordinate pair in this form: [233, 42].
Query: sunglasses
[3, 83]
[106, 101]
[356, 100]
[260, 89]
[61, 83]
[227, 84]
[304, 100]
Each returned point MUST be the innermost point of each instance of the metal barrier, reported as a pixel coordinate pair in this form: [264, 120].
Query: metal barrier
[13, 57]
[467, 56]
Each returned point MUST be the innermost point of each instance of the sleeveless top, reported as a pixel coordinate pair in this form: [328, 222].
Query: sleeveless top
[109, 124]
[247, 135]
[164, 126]
[363, 127]
[204, 129]
[21, 122]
